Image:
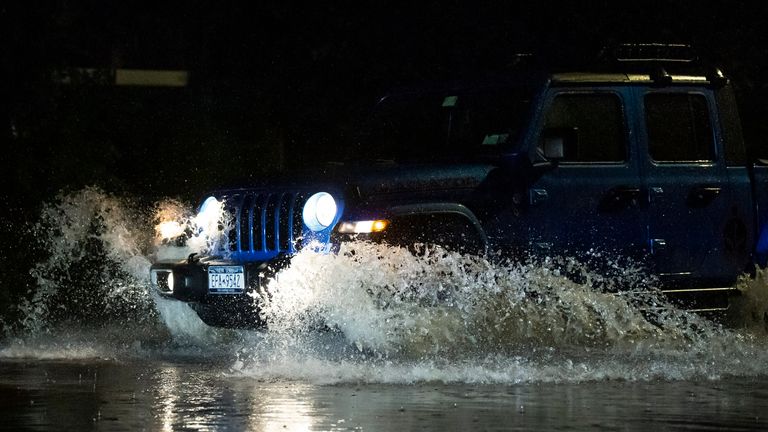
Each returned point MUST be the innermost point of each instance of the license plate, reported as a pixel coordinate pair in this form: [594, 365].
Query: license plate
[226, 280]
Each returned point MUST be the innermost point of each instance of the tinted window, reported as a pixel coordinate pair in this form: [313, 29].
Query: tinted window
[679, 129]
[444, 126]
[594, 124]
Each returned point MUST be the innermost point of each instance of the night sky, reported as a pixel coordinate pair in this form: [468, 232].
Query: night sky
[275, 83]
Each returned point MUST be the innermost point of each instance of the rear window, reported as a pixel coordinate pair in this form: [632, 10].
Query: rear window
[679, 127]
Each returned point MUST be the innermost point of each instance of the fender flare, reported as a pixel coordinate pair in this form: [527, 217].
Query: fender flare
[443, 209]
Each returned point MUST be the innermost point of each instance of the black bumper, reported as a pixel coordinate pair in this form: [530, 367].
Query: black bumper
[189, 283]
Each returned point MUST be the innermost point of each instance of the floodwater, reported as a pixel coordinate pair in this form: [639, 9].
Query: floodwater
[372, 338]
[192, 395]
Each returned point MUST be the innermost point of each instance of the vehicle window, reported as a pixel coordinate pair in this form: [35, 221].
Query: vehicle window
[595, 123]
[679, 127]
[458, 125]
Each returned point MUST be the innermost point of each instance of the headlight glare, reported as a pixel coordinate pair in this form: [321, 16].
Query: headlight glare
[169, 229]
[319, 211]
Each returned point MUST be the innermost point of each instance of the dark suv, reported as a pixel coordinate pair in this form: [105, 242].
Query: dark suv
[642, 157]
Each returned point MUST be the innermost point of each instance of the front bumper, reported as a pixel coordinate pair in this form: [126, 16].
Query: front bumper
[188, 281]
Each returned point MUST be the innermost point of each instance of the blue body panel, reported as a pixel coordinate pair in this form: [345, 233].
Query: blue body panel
[567, 212]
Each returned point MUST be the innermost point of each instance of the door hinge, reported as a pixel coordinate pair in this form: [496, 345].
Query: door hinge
[538, 196]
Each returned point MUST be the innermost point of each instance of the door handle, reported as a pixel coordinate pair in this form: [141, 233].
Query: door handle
[620, 198]
[537, 196]
[658, 246]
[701, 196]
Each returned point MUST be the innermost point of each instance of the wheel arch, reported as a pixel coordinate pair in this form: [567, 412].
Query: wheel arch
[441, 212]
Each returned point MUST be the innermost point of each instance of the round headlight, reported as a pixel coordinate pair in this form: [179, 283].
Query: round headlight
[210, 212]
[210, 203]
[319, 211]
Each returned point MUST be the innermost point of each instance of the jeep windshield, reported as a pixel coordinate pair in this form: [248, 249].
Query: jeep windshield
[444, 126]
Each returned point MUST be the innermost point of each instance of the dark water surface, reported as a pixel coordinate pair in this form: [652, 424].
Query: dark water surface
[188, 395]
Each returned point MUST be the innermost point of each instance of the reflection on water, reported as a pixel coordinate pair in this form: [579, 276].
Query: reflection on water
[167, 398]
[191, 397]
[101, 395]
[277, 408]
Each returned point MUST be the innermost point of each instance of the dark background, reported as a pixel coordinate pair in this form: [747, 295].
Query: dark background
[275, 84]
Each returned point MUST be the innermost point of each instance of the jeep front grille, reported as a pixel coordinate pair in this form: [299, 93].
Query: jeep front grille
[265, 222]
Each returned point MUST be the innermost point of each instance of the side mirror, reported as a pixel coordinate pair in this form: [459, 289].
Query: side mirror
[559, 143]
[554, 148]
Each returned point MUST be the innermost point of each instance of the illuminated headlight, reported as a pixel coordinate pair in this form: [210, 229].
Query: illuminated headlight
[363, 227]
[319, 211]
[169, 229]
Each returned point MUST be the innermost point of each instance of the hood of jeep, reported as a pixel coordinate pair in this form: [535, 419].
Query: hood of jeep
[363, 181]
[373, 181]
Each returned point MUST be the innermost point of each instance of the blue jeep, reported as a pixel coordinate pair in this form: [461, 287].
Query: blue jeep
[642, 157]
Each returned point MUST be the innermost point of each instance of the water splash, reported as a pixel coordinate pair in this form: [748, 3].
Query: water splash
[180, 232]
[91, 295]
[388, 300]
[444, 316]
[749, 311]
[96, 265]
[373, 313]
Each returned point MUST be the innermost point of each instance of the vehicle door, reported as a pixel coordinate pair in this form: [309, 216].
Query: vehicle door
[686, 181]
[589, 198]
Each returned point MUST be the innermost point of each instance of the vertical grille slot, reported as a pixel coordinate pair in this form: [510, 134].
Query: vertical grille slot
[232, 208]
[284, 221]
[259, 220]
[271, 213]
[264, 222]
[243, 224]
[297, 224]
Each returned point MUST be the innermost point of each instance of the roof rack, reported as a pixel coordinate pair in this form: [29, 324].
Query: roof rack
[659, 59]
[651, 53]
